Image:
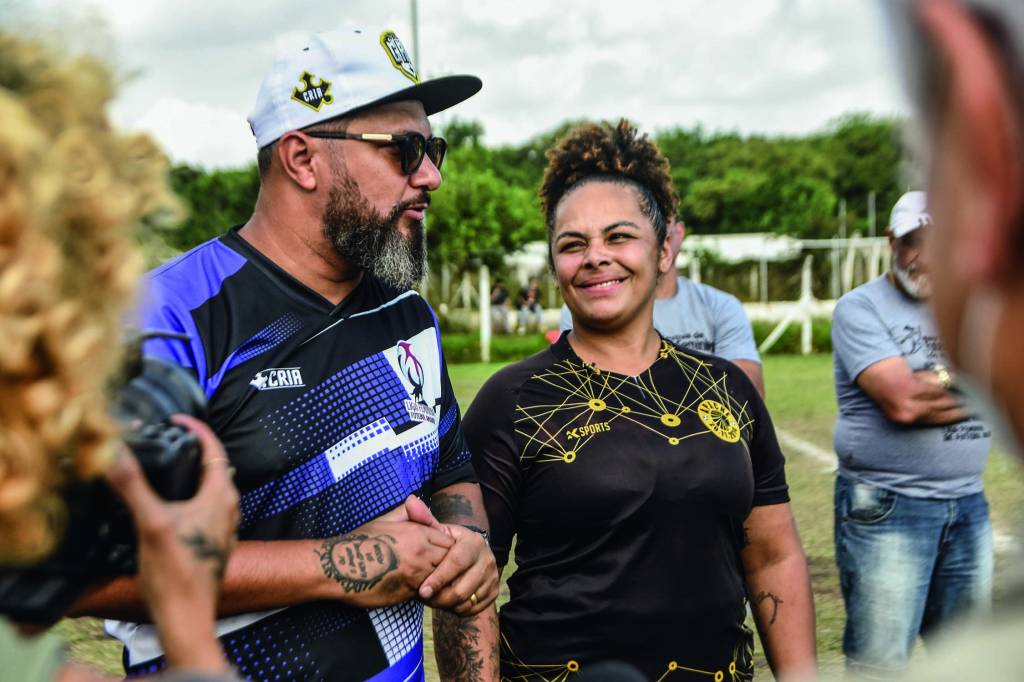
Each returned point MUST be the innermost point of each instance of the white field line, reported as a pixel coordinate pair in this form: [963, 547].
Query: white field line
[1003, 542]
[807, 448]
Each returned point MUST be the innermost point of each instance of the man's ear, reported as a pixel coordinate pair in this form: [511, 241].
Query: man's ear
[981, 116]
[681, 229]
[298, 161]
[666, 256]
[675, 233]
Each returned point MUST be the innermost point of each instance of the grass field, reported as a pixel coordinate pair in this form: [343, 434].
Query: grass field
[802, 403]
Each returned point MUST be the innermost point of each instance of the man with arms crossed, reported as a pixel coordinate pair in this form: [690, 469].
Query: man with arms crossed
[695, 315]
[912, 533]
[328, 387]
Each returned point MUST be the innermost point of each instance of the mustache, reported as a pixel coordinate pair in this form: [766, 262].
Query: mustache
[421, 199]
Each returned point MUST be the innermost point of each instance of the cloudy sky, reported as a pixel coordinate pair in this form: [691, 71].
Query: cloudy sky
[193, 67]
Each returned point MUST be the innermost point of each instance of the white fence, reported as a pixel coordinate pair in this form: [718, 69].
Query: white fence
[849, 262]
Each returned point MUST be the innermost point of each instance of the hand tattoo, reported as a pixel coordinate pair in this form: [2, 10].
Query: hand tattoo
[203, 548]
[761, 596]
[356, 561]
[447, 506]
[455, 646]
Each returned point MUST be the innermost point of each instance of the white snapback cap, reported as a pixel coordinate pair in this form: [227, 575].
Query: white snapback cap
[340, 72]
[909, 213]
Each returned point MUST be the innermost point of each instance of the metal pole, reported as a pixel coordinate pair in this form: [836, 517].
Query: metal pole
[485, 314]
[805, 306]
[467, 291]
[764, 279]
[446, 283]
[842, 218]
[836, 286]
[871, 213]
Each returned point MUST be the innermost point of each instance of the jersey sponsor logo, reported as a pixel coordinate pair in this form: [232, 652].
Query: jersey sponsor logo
[277, 377]
[313, 95]
[398, 55]
[719, 420]
[588, 430]
[412, 369]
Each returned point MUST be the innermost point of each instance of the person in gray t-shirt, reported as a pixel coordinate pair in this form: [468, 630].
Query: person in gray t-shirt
[913, 540]
[701, 317]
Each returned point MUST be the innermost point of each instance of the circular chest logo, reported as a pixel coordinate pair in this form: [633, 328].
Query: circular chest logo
[719, 420]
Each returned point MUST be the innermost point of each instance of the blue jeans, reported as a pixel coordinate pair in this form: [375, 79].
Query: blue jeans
[907, 565]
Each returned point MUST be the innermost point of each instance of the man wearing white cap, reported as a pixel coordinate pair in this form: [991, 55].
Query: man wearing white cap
[327, 385]
[912, 533]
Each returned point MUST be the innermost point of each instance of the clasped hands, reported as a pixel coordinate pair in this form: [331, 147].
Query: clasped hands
[447, 566]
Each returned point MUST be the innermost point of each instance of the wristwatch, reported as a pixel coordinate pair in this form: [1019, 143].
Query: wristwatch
[943, 375]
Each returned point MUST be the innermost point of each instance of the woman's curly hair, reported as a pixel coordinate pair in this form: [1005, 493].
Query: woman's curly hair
[611, 154]
[72, 193]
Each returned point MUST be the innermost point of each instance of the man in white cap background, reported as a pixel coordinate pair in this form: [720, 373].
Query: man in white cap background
[912, 533]
[327, 385]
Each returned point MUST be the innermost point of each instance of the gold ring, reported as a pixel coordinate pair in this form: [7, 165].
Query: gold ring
[472, 599]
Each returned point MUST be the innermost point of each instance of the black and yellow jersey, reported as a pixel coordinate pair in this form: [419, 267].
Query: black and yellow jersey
[626, 497]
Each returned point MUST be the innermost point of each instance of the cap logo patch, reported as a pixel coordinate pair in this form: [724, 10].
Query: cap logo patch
[313, 95]
[398, 55]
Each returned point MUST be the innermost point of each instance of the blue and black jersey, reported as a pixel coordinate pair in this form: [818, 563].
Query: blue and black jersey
[331, 415]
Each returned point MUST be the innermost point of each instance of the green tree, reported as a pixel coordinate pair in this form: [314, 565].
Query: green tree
[865, 151]
[216, 200]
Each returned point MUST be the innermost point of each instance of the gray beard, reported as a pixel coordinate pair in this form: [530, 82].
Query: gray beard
[918, 287]
[372, 242]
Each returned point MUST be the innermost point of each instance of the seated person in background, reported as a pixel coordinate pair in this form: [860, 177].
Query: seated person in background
[700, 317]
[642, 482]
[72, 191]
[529, 307]
[499, 307]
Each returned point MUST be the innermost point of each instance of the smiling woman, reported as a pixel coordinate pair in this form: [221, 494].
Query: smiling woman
[607, 196]
[643, 483]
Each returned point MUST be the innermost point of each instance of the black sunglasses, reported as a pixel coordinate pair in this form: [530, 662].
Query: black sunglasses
[412, 147]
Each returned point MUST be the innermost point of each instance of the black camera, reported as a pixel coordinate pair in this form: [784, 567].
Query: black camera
[99, 538]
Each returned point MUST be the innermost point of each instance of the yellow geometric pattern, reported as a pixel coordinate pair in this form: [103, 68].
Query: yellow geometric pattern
[739, 669]
[592, 398]
[594, 402]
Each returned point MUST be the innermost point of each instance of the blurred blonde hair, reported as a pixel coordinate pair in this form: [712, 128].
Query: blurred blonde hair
[72, 193]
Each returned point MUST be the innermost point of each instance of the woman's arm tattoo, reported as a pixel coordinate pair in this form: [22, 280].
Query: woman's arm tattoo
[356, 561]
[448, 506]
[761, 596]
[456, 642]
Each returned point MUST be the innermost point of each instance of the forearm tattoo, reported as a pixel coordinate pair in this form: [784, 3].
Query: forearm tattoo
[761, 596]
[356, 561]
[448, 506]
[456, 647]
[203, 549]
